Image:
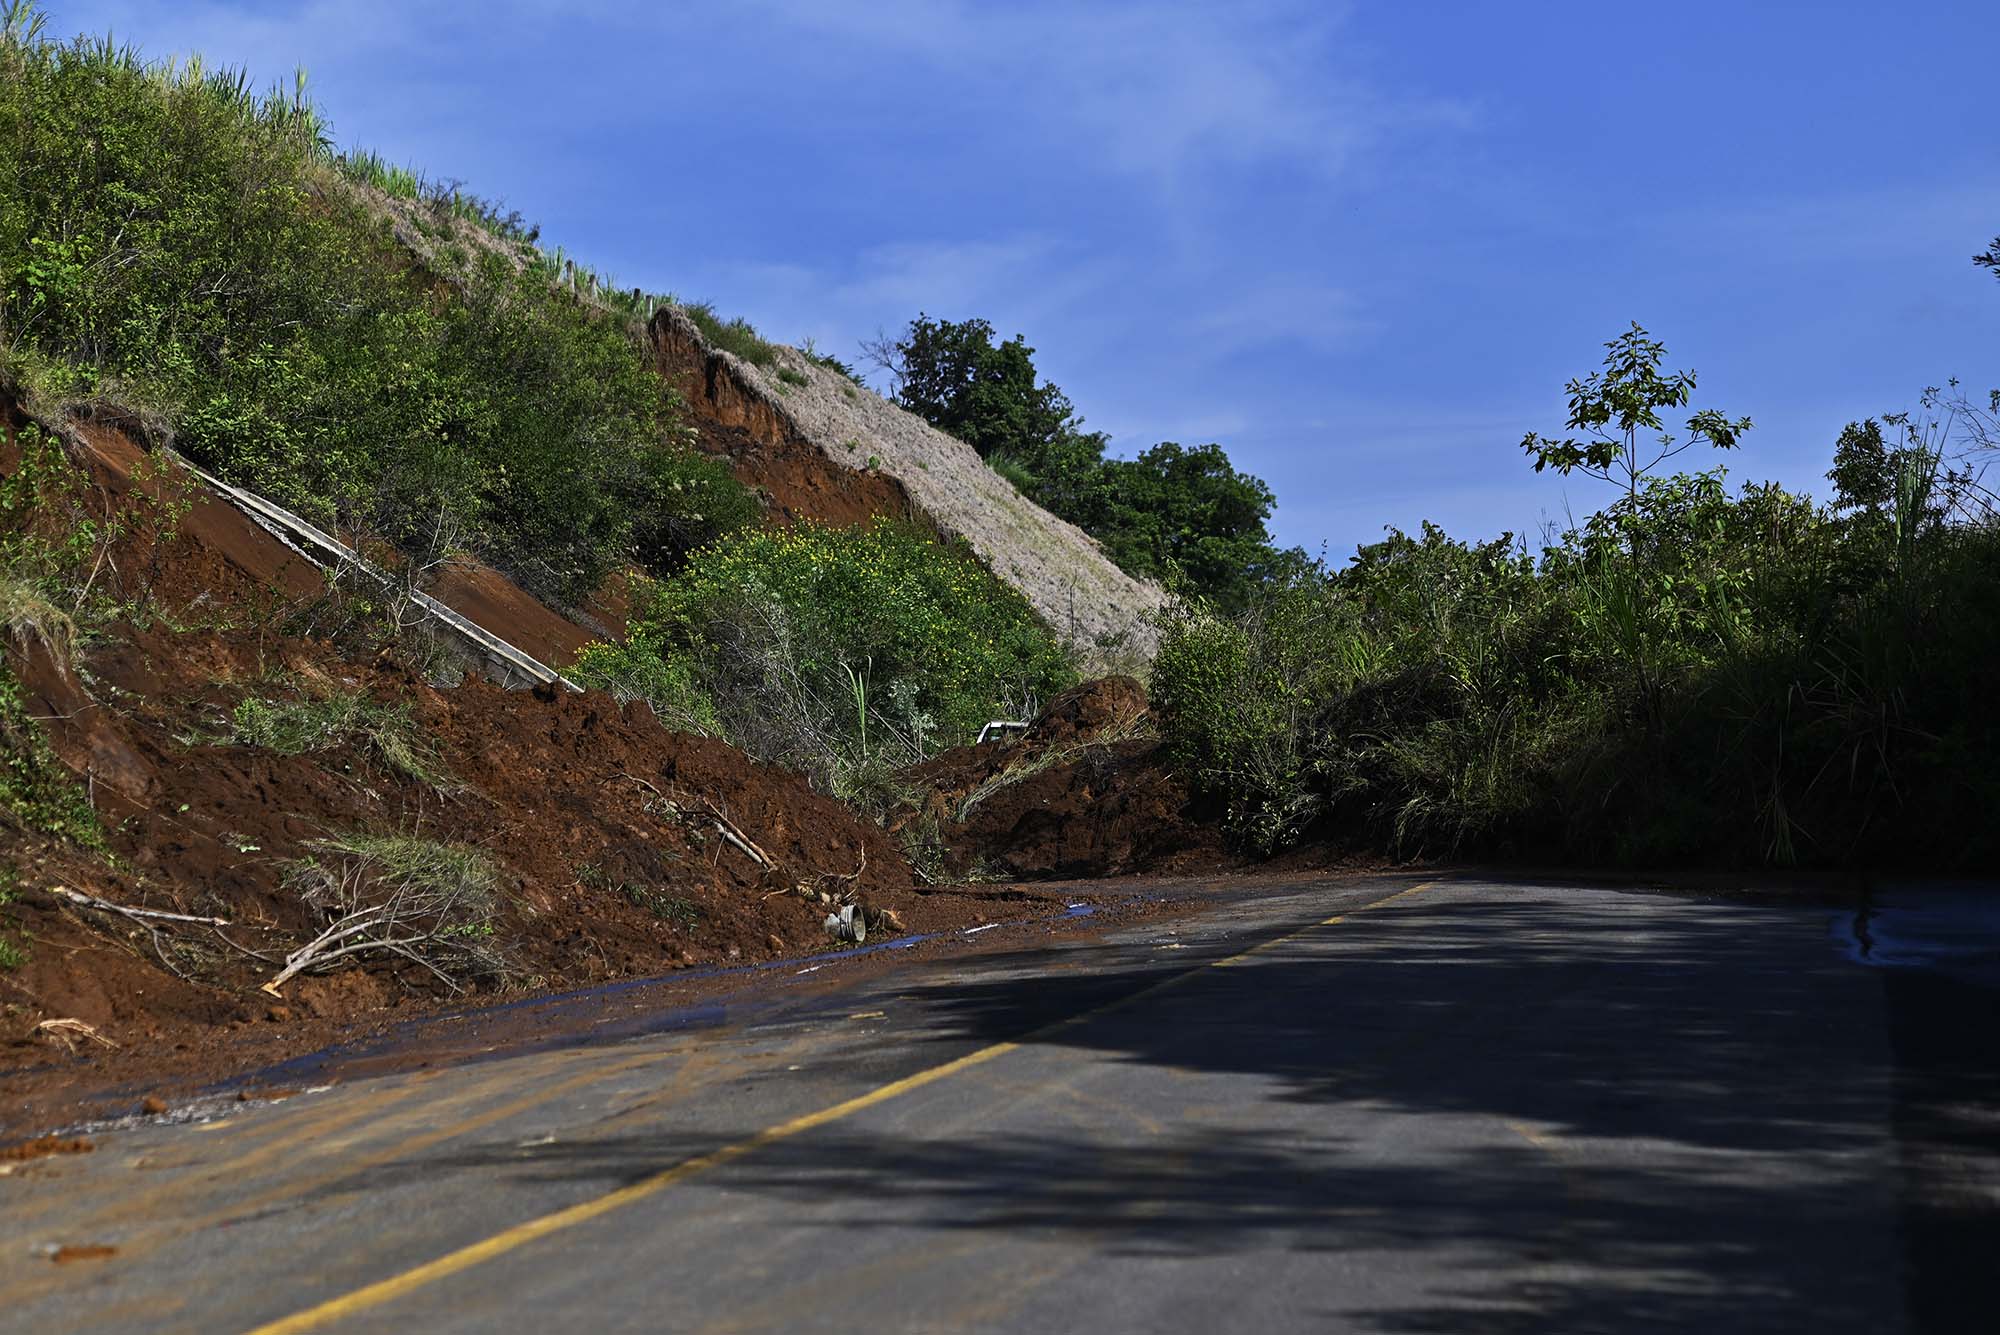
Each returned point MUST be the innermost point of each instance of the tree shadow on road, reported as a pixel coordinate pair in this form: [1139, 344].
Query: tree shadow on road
[1590, 1118]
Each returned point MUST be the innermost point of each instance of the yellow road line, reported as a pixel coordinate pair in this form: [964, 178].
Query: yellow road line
[520, 1235]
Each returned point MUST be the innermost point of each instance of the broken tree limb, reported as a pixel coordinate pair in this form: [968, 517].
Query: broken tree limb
[731, 835]
[92, 901]
[742, 841]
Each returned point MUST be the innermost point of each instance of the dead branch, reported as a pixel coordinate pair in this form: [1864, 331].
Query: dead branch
[92, 901]
[735, 836]
[68, 1031]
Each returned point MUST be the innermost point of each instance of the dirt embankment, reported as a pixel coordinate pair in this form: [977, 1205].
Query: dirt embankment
[1084, 792]
[827, 449]
[619, 847]
[765, 448]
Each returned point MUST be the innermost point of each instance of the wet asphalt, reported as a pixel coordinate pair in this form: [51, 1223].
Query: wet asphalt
[1479, 1106]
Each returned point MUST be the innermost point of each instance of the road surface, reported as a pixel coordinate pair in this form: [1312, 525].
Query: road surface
[1390, 1106]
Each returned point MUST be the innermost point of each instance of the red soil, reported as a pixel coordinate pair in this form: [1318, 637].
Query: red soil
[766, 452]
[1093, 796]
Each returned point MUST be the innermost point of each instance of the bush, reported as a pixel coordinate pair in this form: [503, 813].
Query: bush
[827, 648]
[733, 335]
[294, 727]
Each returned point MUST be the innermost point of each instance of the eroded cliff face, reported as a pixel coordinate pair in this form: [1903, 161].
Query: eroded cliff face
[826, 449]
[766, 449]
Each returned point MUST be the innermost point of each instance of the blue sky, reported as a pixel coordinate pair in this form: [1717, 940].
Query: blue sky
[1362, 246]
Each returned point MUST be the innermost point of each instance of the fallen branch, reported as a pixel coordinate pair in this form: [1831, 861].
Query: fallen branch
[66, 1032]
[735, 836]
[723, 825]
[92, 901]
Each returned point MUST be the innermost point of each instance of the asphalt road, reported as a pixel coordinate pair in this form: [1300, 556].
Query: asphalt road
[1382, 1106]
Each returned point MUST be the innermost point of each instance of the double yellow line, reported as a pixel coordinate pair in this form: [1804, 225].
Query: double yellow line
[520, 1235]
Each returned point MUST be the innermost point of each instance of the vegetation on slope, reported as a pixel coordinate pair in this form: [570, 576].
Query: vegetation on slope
[180, 252]
[843, 653]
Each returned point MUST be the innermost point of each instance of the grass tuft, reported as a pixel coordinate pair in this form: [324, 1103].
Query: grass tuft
[294, 727]
[735, 336]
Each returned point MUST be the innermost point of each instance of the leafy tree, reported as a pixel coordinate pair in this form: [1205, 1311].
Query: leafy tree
[1990, 258]
[1176, 513]
[1185, 513]
[1614, 406]
[954, 376]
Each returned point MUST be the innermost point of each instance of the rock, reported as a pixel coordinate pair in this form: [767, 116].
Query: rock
[278, 1014]
[776, 943]
[154, 1106]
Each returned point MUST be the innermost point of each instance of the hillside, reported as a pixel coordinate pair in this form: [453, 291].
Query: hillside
[825, 448]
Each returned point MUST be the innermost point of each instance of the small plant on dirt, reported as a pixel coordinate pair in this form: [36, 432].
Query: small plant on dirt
[294, 727]
[833, 364]
[793, 377]
[13, 954]
[922, 841]
[31, 616]
[667, 908]
[430, 903]
[37, 792]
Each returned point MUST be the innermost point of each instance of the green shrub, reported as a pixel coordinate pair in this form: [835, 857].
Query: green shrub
[13, 954]
[294, 727]
[826, 648]
[639, 669]
[733, 336]
[1692, 675]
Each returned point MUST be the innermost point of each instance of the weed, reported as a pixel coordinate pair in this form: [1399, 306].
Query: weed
[922, 840]
[667, 908]
[13, 954]
[31, 616]
[792, 377]
[294, 727]
[733, 336]
[37, 792]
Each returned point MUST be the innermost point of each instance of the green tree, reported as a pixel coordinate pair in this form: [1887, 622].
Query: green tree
[1615, 406]
[954, 376]
[1185, 513]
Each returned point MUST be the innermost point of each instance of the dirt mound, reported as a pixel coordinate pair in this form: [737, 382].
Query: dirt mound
[828, 449]
[1084, 792]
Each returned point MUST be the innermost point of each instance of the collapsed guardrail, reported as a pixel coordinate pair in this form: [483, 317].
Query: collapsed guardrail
[326, 551]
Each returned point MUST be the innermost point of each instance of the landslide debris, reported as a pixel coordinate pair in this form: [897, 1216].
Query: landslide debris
[617, 846]
[1085, 791]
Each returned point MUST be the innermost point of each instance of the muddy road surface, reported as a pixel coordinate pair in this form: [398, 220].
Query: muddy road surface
[1369, 1104]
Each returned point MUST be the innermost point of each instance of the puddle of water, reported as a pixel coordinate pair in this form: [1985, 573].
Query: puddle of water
[1955, 932]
